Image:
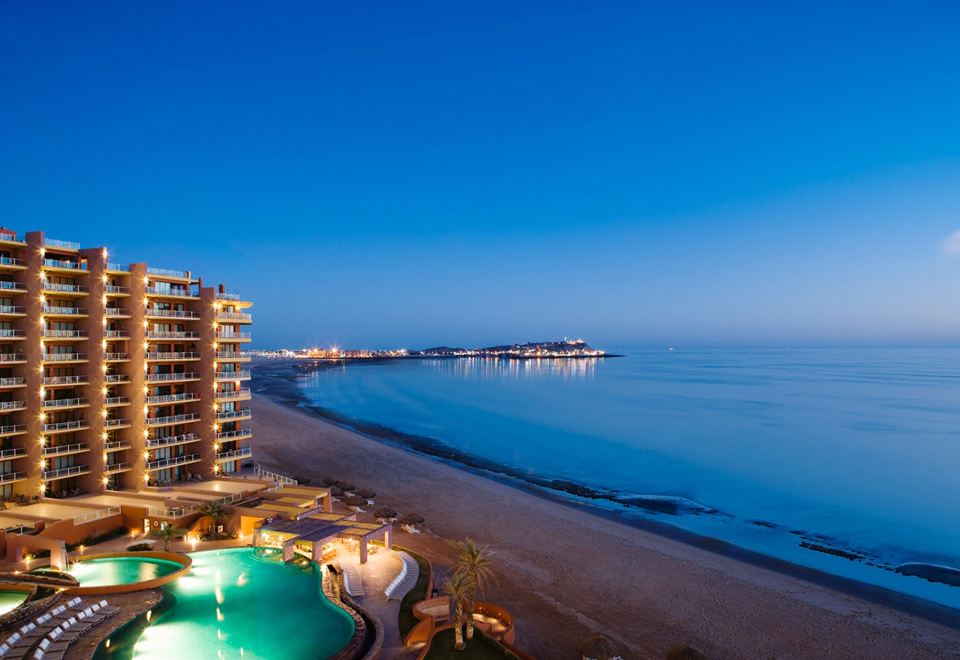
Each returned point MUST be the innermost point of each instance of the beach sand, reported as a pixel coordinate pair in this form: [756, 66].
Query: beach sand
[565, 573]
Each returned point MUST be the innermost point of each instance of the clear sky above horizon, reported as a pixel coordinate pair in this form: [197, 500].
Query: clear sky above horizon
[378, 174]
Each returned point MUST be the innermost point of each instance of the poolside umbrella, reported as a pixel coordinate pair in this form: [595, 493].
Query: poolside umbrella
[345, 485]
[336, 491]
[355, 501]
[385, 513]
[598, 647]
[412, 519]
[366, 493]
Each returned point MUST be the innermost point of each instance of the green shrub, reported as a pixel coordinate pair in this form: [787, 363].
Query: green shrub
[139, 547]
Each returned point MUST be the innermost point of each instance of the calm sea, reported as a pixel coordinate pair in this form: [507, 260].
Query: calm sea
[850, 451]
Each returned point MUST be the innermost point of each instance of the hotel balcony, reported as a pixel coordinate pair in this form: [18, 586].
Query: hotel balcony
[235, 317]
[65, 357]
[62, 404]
[12, 310]
[116, 468]
[232, 356]
[12, 287]
[157, 334]
[117, 379]
[11, 477]
[63, 450]
[170, 273]
[155, 313]
[116, 401]
[64, 381]
[114, 424]
[172, 378]
[61, 245]
[116, 445]
[13, 358]
[233, 455]
[169, 420]
[58, 289]
[173, 461]
[65, 335]
[12, 430]
[172, 357]
[239, 434]
[65, 266]
[116, 357]
[63, 473]
[233, 337]
[117, 269]
[10, 454]
[116, 313]
[166, 399]
[114, 335]
[10, 383]
[66, 427]
[174, 293]
[235, 395]
[65, 312]
[9, 263]
[10, 334]
[233, 415]
[114, 290]
[173, 440]
[232, 375]
[12, 406]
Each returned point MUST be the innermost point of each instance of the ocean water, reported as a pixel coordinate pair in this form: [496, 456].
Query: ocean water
[851, 451]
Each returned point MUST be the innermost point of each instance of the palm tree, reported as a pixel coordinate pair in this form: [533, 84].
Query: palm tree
[217, 511]
[168, 533]
[474, 564]
[458, 587]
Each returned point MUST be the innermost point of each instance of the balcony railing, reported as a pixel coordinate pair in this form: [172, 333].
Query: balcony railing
[115, 423]
[16, 452]
[64, 288]
[10, 261]
[12, 309]
[66, 449]
[13, 357]
[62, 473]
[115, 312]
[159, 356]
[116, 445]
[117, 334]
[163, 399]
[9, 477]
[117, 268]
[234, 435]
[64, 403]
[63, 263]
[65, 380]
[6, 285]
[233, 375]
[69, 245]
[234, 395]
[172, 461]
[234, 316]
[181, 439]
[64, 357]
[233, 336]
[158, 334]
[12, 429]
[173, 419]
[228, 295]
[116, 357]
[164, 378]
[12, 382]
[12, 405]
[7, 333]
[72, 425]
[64, 311]
[175, 292]
[116, 401]
[233, 414]
[234, 454]
[228, 356]
[117, 378]
[65, 334]
[114, 468]
[113, 288]
[168, 272]
[172, 313]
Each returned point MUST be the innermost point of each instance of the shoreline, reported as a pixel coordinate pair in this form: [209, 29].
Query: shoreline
[276, 382]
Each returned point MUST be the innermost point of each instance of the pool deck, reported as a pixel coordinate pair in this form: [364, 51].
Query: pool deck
[131, 605]
[381, 567]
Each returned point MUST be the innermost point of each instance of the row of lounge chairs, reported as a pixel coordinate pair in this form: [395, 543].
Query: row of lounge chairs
[55, 630]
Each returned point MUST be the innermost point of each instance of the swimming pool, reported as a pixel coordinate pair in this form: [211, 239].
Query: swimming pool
[233, 605]
[109, 571]
[9, 599]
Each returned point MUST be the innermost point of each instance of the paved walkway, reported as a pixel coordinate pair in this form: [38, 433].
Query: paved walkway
[381, 567]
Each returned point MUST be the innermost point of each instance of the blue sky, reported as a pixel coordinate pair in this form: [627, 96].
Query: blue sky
[373, 174]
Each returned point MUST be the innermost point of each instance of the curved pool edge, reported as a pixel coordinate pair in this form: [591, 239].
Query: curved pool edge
[183, 560]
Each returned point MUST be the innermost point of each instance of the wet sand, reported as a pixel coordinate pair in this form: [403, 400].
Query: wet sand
[565, 572]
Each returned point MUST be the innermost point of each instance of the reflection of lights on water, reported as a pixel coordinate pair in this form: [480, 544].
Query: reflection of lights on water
[219, 595]
[219, 615]
[243, 579]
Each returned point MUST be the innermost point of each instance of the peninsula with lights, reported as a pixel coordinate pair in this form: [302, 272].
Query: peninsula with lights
[562, 349]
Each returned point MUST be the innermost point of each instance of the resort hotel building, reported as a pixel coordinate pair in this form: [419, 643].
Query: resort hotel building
[115, 377]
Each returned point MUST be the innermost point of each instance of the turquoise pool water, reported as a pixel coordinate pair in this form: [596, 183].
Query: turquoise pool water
[10, 599]
[233, 605]
[121, 570]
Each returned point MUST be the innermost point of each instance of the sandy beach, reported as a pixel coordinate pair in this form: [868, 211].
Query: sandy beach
[565, 572]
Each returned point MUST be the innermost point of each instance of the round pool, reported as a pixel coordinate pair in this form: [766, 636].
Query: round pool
[112, 571]
[9, 599]
[234, 605]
